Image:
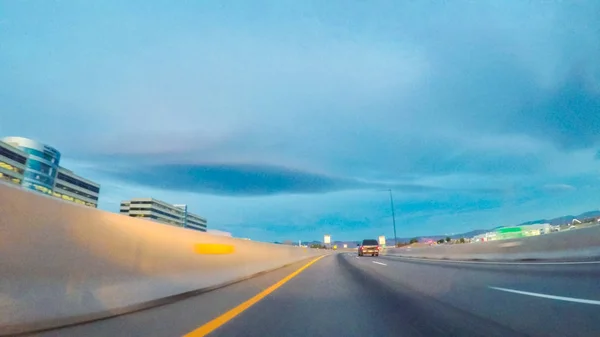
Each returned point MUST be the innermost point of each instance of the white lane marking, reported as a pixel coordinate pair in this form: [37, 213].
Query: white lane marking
[510, 244]
[552, 297]
[357, 257]
[492, 262]
[383, 264]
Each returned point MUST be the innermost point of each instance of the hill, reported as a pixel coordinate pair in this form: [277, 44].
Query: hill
[564, 219]
[554, 221]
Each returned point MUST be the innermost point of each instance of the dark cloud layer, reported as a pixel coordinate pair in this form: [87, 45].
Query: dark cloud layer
[255, 180]
[234, 179]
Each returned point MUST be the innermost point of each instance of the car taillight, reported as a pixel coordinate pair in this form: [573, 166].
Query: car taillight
[377, 247]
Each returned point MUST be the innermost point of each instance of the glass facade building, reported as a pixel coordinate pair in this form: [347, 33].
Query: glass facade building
[38, 167]
[163, 212]
[42, 163]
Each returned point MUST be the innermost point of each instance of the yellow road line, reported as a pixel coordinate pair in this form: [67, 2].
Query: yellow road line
[226, 317]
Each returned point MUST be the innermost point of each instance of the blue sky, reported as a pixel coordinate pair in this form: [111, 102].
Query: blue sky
[285, 119]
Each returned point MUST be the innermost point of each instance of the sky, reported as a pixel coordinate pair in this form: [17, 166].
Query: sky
[288, 120]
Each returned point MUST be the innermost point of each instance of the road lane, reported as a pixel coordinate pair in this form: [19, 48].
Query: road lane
[347, 296]
[339, 298]
[466, 286]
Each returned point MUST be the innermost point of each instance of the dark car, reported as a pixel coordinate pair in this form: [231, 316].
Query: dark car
[369, 247]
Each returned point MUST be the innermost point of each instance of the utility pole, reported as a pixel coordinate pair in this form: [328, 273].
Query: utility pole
[393, 217]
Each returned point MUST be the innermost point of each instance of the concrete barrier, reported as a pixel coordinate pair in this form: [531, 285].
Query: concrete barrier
[580, 244]
[61, 263]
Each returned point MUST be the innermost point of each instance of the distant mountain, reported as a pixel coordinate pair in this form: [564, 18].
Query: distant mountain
[590, 214]
[471, 233]
[340, 244]
[555, 221]
[564, 219]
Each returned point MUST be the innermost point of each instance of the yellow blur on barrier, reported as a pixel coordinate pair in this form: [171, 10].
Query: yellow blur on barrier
[213, 248]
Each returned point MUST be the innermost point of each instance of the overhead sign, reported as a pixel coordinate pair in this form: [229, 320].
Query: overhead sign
[327, 239]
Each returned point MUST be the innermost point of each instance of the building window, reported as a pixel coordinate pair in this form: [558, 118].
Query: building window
[68, 198]
[156, 211]
[10, 167]
[10, 178]
[40, 167]
[77, 182]
[42, 189]
[4, 152]
[37, 177]
[196, 223]
[51, 157]
[66, 188]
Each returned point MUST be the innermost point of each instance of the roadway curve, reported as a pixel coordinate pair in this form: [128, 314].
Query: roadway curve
[343, 295]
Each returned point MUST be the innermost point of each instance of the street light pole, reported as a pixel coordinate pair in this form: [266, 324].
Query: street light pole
[393, 217]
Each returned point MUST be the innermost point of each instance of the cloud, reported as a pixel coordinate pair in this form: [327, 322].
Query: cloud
[253, 180]
[234, 179]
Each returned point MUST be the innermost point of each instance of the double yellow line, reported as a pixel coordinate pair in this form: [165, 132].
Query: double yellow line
[226, 317]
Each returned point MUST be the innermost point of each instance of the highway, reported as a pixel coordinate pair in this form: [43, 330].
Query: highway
[344, 295]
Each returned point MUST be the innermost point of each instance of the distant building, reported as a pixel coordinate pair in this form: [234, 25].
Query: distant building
[196, 222]
[71, 187]
[12, 164]
[35, 166]
[515, 232]
[163, 212]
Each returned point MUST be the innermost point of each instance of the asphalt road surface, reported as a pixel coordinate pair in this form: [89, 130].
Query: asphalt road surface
[343, 295]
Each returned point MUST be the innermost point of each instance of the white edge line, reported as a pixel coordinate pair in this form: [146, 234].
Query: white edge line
[383, 264]
[552, 297]
[492, 262]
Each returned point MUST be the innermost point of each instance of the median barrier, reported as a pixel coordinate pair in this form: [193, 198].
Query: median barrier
[580, 244]
[63, 264]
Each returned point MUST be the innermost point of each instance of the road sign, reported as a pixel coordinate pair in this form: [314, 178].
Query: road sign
[327, 239]
[382, 240]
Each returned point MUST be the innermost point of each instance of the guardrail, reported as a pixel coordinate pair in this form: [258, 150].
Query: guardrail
[580, 244]
[62, 263]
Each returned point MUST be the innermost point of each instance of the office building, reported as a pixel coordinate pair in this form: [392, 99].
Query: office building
[196, 222]
[12, 164]
[163, 212]
[41, 171]
[71, 187]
